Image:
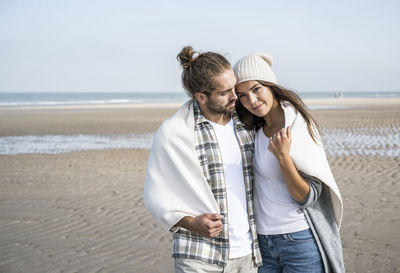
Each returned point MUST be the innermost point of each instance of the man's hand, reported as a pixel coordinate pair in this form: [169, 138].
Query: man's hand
[208, 224]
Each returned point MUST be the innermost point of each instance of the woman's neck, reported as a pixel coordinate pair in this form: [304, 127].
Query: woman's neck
[274, 120]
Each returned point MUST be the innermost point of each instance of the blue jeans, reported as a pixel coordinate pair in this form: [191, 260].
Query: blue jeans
[292, 252]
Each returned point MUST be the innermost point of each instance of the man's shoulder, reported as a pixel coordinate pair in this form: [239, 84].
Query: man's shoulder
[178, 122]
[240, 127]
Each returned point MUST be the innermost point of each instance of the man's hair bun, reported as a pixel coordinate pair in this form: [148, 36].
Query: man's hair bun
[187, 56]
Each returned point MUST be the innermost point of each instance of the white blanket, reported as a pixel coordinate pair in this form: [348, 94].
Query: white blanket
[175, 185]
[310, 158]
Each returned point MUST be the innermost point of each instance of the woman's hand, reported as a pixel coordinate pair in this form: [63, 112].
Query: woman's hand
[279, 144]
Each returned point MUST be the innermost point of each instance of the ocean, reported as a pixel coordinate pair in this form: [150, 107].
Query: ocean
[37, 99]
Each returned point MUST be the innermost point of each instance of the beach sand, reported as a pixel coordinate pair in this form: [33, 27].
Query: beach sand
[83, 211]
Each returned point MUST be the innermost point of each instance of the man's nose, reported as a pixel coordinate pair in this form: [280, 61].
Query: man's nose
[233, 93]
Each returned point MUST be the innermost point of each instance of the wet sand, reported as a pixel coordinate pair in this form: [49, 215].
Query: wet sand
[83, 211]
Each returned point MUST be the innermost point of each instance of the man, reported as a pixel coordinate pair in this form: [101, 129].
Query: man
[199, 176]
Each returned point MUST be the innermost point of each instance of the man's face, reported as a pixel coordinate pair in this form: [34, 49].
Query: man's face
[222, 100]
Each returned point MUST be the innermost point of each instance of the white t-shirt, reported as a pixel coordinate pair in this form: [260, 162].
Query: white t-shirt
[275, 210]
[239, 231]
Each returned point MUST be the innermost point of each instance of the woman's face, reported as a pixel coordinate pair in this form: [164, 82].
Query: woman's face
[256, 98]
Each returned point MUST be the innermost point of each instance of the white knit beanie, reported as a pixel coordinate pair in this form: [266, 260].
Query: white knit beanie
[255, 67]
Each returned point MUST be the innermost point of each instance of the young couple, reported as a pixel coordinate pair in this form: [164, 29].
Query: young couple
[239, 175]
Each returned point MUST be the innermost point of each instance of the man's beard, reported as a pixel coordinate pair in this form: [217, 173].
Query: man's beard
[218, 109]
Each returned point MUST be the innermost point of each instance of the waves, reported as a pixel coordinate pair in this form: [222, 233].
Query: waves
[67, 102]
[38, 99]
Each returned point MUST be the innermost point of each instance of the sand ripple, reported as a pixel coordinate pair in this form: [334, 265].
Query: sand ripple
[79, 212]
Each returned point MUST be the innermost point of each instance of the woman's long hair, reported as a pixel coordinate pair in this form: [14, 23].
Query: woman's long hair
[280, 94]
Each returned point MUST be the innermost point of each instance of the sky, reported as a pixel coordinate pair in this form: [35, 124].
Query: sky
[131, 46]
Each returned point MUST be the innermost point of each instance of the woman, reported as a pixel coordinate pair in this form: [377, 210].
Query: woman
[298, 207]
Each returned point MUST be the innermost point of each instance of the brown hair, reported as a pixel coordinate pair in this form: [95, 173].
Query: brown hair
[199, 70]
[280, 94]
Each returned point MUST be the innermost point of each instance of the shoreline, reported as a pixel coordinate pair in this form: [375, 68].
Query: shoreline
[144, 118]
[355, 102]
[166, 105]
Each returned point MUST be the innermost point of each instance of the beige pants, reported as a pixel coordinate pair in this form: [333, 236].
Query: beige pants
[239, 265]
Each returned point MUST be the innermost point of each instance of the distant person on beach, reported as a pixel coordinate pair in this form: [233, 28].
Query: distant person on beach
[199, 175]
[297, 203]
